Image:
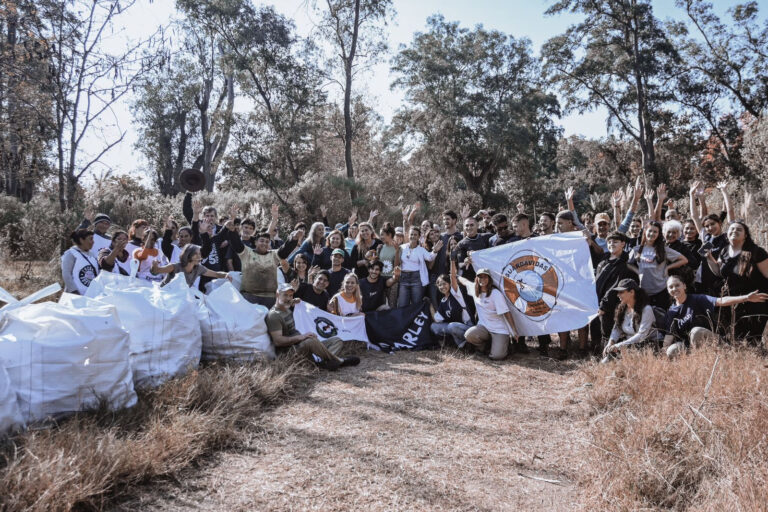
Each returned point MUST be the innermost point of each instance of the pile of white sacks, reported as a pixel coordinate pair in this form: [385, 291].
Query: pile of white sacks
[83, 352]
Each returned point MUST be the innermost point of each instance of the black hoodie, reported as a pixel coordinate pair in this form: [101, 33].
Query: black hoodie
[607, 276]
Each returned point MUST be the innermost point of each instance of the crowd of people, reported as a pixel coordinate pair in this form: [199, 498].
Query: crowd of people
[662, 280]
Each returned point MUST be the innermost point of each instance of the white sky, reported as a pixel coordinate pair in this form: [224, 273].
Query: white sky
[520, 18]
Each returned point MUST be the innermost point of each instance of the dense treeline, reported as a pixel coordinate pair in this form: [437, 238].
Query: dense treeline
[238, 94]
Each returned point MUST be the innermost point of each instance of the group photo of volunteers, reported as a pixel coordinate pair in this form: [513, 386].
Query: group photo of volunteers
[668, 274]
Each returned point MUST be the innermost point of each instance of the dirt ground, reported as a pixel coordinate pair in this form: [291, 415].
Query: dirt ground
[410, 431]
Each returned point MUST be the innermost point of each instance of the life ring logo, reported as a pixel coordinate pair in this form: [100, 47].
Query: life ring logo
[532, 284]
[325, 328]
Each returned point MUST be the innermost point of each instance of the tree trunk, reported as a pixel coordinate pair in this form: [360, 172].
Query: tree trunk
[348, 132]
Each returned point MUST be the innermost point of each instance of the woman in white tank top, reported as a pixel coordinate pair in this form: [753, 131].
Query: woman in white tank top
[348, 301]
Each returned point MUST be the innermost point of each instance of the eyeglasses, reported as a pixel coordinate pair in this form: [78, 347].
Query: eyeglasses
[502, 227]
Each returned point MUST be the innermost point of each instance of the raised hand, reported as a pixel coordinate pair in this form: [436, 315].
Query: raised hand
[638, 188]
[722, 185]
[465, 211]
[295, 283]
[205, 226]
[407, 211]
[197, 207]
[670, 204]
[694, 188]
[438, 245]
[317, 249]
[352, 217]
[649, 195]
[661, 192]
[323, 210]
[372, 215]
[569, 193]
[253, 210]
[169, 223]
[616, 198]
[520, 208]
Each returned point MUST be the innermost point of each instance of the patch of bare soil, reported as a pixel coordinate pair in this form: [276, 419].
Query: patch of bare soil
[409, 431]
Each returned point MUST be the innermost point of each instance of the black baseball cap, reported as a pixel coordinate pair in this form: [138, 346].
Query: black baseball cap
[626, 284]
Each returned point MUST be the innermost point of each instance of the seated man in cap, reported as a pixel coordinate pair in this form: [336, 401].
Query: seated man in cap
[282, 330]
[101, 223]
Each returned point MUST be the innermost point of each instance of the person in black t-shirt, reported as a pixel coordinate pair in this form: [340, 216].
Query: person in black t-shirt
[315, 293]
[373, 288]
[472, 241]
[337, 272]
[503, 234]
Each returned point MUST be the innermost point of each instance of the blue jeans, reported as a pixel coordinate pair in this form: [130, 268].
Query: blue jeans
[455, 329]
[411, 290]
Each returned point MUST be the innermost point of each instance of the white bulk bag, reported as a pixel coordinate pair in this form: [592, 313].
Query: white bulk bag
[10, 415]
[162, 323]
[232, 327]
[63, 359]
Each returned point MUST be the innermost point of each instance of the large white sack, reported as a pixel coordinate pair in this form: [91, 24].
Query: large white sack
[62, 359]
[10, 415]
[111, 281]
[162, 323]
[237, 279]
[232, 327]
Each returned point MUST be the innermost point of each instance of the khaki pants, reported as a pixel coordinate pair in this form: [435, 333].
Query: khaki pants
[479, 336]
[699, 336]
[324, 349]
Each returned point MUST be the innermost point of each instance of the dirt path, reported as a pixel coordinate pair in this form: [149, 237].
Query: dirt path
[410, 431]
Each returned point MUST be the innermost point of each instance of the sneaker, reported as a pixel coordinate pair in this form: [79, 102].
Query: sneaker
[350, 361]
[558, 353]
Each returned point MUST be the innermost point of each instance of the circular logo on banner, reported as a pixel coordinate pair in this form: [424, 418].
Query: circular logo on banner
[531, 283]
[86, 275]
[325, 328]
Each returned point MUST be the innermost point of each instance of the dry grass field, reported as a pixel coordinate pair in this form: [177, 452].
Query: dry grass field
[439, 430]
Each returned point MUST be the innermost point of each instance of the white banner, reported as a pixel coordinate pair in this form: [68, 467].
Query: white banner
[310, 319]
[547, 280]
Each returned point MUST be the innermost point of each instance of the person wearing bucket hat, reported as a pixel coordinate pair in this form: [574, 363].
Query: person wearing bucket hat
[495, 322]
[634, 319]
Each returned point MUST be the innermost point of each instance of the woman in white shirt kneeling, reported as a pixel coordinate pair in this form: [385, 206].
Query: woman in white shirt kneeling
[634, 319]
[495, 322]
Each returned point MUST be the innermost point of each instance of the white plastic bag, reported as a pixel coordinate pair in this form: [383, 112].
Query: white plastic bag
[10, 415]
[162, 323]
[232, 327]
[61, 359]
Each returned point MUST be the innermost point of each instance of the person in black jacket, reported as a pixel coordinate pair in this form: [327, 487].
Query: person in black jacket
[612, 269]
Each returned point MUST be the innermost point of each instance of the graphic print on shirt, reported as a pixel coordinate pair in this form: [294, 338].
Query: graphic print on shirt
[531, 283]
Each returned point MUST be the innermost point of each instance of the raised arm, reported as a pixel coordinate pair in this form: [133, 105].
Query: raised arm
[275, 211]
[661, 195]
[723, 186]
[649, 201]
[692, 193]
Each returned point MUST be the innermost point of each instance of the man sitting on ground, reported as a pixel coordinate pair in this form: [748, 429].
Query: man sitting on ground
[282, 330]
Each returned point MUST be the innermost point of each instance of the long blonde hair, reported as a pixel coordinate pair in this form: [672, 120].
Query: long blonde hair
[359, 238]
[358, 295]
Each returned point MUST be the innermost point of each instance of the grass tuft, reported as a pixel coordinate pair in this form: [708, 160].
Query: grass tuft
[95, 457]
[687, 434]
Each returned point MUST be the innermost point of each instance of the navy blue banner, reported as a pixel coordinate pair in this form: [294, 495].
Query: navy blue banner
[404, 328]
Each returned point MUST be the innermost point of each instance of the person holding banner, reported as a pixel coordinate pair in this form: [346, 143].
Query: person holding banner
[315, 293]
[495, 322]
[282, 331]
[451, 317]
[348, 302]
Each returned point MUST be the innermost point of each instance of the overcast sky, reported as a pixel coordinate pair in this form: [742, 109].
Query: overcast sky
[520, 18]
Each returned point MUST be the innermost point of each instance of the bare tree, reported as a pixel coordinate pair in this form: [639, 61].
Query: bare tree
[354, 28]
[88, 81]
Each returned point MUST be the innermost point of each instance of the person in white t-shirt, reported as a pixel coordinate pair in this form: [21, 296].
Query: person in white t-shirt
[495, 323]
[414, 275]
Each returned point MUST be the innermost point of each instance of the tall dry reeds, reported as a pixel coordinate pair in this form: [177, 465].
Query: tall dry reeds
[94, 457]
[688, 434]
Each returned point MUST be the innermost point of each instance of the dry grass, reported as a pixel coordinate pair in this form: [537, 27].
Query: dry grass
[435, 430]
[688, 434]
[22, 278]
[95, 457]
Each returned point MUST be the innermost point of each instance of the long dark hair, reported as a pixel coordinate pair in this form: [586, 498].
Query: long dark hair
[658, 244]
[641, 300]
